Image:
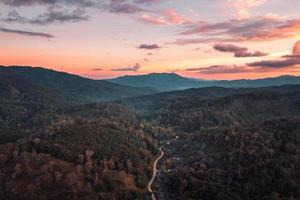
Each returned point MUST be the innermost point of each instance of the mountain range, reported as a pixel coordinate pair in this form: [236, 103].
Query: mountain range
[74, 88]
[172, 81]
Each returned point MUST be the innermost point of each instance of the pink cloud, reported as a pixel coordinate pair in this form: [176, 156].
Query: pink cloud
[261, 29]
[153, 20]
[167, 17]
[174, 18]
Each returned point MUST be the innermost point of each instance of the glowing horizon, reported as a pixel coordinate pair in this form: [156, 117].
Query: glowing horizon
[220, 39]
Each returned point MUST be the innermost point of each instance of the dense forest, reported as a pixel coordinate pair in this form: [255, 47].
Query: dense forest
[237, 163]
[231, 143]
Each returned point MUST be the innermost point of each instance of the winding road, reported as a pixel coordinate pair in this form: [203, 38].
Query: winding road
[154, 173]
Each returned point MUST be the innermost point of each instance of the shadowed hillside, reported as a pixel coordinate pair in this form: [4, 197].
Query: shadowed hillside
[73, 88]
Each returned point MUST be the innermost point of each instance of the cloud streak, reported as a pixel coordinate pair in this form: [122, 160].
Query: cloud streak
[221, 69]
[18, 3]
[133, 68]
[27, 33]
[97, 69]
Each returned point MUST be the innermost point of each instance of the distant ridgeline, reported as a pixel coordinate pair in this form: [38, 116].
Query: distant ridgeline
[169, 82]
[67, 137]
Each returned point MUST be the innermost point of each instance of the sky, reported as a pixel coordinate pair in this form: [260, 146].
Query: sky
[205, 39]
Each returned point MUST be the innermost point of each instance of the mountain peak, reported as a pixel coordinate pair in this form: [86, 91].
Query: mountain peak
[158, 81]
[154, 74]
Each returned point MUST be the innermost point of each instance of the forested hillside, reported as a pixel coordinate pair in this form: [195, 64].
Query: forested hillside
[80, 159]
[25, 108]
[94, 155]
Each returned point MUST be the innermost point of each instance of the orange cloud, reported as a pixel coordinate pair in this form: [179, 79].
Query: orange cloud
[296, 49]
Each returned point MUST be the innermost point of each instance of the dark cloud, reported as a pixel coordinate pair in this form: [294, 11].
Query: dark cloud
[97, 69]
[27, 33]
[238, 51]
[262, 29]
[149, 46]
[85, 3]
[221, 69]
[133, 68]
[71, 10]
[53, 15]
[123, 6]
[289, 62]
[229, 48]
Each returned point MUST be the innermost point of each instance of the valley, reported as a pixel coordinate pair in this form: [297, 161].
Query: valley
[200, 143]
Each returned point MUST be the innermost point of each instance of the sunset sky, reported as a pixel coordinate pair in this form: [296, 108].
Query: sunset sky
[209, 39]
